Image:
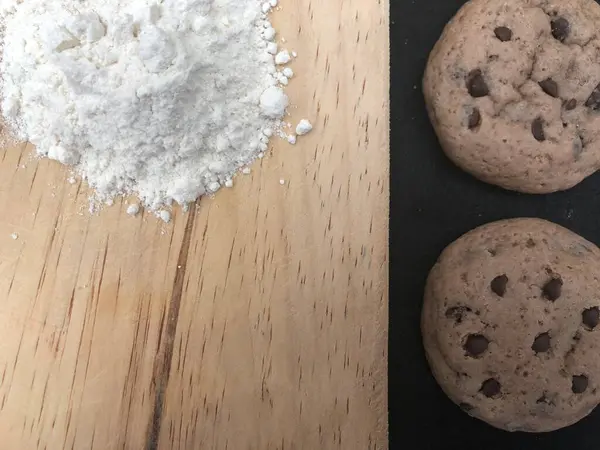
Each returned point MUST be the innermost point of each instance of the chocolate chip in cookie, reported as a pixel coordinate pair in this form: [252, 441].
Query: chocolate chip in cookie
[560, 29]
[474, 119]
[577, 148]
[593, 100]
[552, 289]
[498, 285]
[457, 313]
[550, 87]
[476, 85]
[591, 317]
[503, 33]
[476, 345]
[537, 129]
[579, 384]
[490, 388]
[571, 104]
[541, 343]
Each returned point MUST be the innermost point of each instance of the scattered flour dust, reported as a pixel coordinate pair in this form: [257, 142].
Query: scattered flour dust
[304, 127]
[133, 209]
[165, 99]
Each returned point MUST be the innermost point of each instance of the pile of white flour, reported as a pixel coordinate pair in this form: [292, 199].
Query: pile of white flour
[163, 99]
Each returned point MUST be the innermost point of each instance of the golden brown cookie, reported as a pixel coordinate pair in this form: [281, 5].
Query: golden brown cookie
[510, 324]
[512, 88]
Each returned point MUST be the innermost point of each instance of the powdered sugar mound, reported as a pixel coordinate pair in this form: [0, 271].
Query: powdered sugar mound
[164, 99]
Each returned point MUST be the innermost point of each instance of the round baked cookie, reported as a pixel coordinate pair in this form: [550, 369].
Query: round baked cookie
[512, 88]
[510, 324]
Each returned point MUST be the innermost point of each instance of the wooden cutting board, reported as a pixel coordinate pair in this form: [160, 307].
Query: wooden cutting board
[258, 320]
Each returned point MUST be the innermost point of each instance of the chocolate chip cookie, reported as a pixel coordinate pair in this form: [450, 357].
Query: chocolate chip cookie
[511, 324]
[513, 92]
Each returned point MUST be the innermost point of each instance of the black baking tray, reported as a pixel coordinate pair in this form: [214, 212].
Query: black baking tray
[432, 204]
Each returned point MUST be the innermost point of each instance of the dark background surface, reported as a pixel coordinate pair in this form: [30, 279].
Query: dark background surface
[433, 203]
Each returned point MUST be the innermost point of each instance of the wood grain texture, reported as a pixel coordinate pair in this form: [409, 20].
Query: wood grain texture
[257, 321]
